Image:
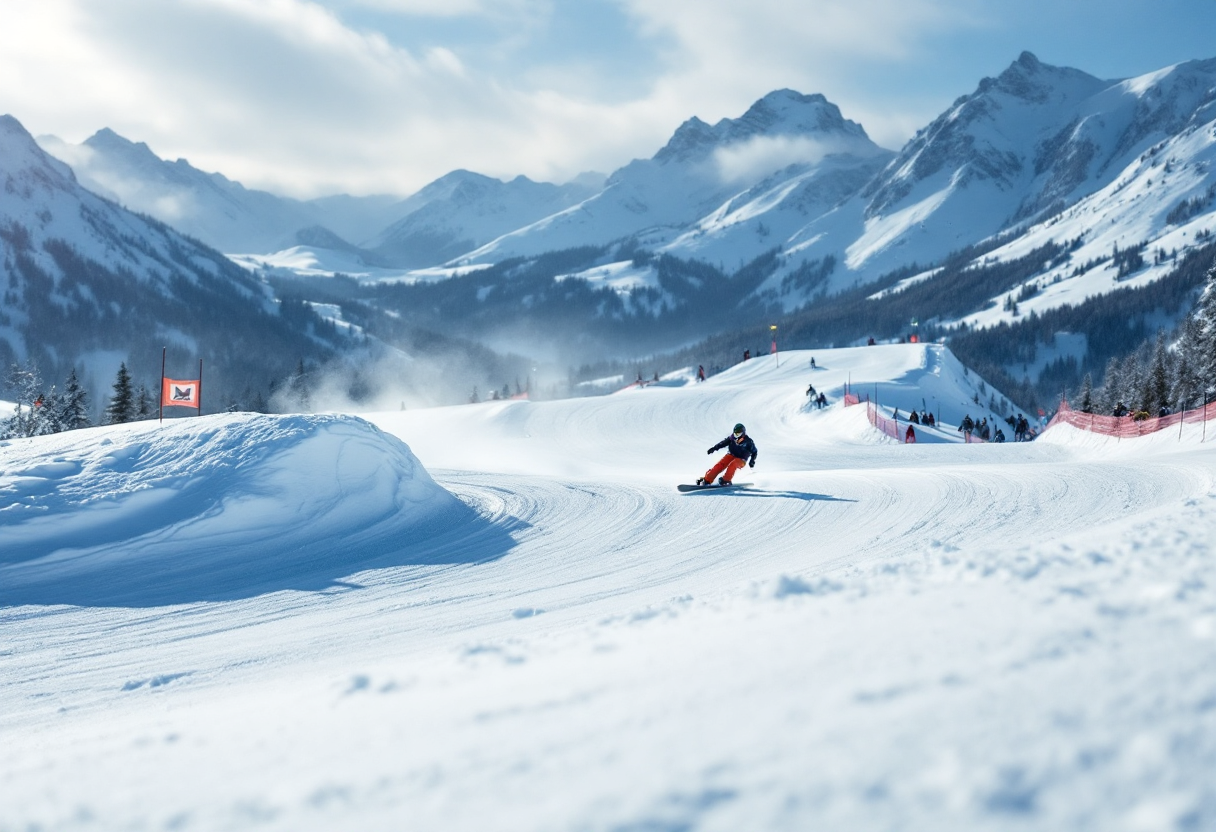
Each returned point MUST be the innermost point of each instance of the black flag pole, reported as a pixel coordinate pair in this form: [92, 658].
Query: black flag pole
[200, 387]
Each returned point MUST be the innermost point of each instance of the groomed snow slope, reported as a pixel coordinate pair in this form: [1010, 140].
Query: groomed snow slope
[873, 636]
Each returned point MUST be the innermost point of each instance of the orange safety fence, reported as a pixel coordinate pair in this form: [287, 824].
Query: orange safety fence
[886, 424]
[1132, 424]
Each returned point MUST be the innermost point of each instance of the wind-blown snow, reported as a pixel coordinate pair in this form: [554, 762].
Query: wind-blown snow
[873, 636]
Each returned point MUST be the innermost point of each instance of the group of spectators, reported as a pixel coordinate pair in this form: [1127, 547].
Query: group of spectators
[1138, 415]
[988, 433]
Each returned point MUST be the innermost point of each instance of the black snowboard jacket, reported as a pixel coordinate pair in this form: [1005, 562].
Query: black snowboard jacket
[743, 448]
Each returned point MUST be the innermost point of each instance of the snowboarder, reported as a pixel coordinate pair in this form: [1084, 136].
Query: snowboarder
[700, 372]
[910, 436]
[740, 449]
[966, 427]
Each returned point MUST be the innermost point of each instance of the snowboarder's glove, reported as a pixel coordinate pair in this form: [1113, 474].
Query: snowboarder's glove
[751, 463]
[710, 451]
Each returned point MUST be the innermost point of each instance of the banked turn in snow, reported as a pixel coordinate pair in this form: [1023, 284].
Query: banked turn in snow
[207, 508]
[876, 636]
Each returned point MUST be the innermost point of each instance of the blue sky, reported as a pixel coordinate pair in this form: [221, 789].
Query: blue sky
[308, 97]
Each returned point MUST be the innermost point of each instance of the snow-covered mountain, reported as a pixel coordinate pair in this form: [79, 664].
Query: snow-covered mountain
[1109, 183]
[1021, 149]
[1017, 157]
[462, 211]
[716, 179]
[89, 284]
[451, 216]
[208, 206]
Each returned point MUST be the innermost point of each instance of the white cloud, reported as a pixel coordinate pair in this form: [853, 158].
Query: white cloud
[730, 53]
[289, 96]
[443, 8]
[762, 155]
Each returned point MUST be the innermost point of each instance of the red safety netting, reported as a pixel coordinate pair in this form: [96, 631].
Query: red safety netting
[891, 427]
[885, 424]
[1131, 425]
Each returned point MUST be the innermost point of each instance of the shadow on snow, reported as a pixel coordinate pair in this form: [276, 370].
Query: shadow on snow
[456, 534]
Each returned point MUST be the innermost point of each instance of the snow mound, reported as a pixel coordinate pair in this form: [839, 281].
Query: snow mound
[208, 508]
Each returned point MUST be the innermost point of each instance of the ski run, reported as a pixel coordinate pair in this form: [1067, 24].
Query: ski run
[503, 616]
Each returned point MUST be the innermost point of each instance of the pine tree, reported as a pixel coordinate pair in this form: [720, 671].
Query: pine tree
[297, 386]
[29, 418]
[1185, 387]
[1156, 393]
[1131, 382]
[143, 403]
[1109, 395]
[1086, 396]
[122, 404]
[50, 413]
[1203, 347]
[74, 413]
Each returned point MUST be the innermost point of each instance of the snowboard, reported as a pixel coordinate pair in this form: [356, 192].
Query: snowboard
[686, 487]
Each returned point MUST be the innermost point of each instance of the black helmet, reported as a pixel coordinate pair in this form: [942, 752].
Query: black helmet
[740, 430]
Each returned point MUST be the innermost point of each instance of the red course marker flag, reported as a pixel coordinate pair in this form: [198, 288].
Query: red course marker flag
[176, 393]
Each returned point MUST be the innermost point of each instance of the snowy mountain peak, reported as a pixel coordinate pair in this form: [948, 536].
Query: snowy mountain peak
[106, 139]
[990, 135]
[782, 113]
[787, 111]
[692, 138]
[22, 160]
[1031, 80]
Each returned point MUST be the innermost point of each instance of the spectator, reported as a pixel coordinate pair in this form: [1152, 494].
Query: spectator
[930, 420]
[700, 372]
[747, 354]
[870, 343]
[810, 392]
[913, 418]
[1000, 436]
[822, 401]
[1164, 411]
[812, 362]
[910, 436]
[1120, 410]
[984, 431]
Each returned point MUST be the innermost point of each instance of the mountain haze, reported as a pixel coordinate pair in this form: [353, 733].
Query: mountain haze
[89, 284]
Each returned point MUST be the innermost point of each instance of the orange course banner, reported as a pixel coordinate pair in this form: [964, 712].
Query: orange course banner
[176, 393]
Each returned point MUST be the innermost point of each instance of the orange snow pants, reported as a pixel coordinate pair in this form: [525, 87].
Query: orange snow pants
[728, 464]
